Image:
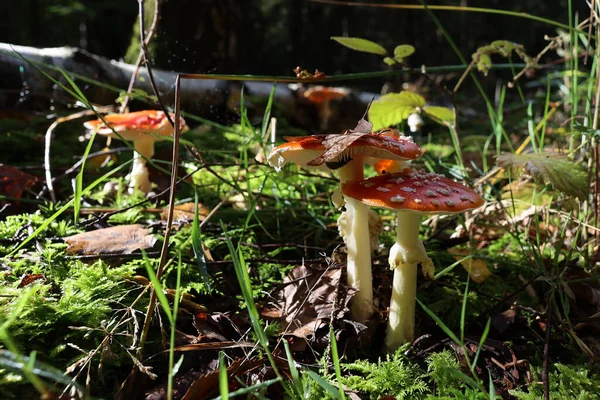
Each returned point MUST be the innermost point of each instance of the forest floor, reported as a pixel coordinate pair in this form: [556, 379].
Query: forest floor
[253, 295]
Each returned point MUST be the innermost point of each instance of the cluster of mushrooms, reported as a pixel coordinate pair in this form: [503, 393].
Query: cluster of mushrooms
[410, 192]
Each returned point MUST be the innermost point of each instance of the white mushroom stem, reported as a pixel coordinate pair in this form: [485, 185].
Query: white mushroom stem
[405, 254]
[358, 245]
[139, 178]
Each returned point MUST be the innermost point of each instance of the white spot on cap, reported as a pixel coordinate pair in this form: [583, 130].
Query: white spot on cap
[435, 202]
[418, 201]
[464, 197]
[408, 189]
[397, 199]
[369, 184]
[450, 203]
[417, 184]
[430, 193]
[443, 191]
[383, 189]
[396, 180]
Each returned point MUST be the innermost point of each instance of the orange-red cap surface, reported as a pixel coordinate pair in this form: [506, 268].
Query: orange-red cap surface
[130, 125]
[321, 94]
[419, 191]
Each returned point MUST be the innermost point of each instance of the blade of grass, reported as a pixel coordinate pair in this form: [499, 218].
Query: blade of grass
[244, 281]
[197, 246]
[79, 179]
[223, 382]
[336, 362]
[158, 288]
[439, 322]
[329, 388]
[484, 336]
[296, 381]
[251, 389]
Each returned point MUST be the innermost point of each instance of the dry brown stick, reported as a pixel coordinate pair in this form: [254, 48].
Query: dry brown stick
[138, 62]
[165, 247]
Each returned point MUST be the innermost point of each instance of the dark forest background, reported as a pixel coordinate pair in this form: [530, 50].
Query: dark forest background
[271, 37]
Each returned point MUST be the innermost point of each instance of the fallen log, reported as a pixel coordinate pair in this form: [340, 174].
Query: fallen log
[101, 80]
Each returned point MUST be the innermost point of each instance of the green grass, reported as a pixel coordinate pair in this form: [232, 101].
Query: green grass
[537, 237]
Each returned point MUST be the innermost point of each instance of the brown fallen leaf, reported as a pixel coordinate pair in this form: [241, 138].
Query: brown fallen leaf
[13, 181]
[477, 268]
[28, 279]
[185, 212]
[123, 239]
[307, 300]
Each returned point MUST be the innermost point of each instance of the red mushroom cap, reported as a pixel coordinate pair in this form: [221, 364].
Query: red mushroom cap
[320, 94]
[419, 191]
[131, 125]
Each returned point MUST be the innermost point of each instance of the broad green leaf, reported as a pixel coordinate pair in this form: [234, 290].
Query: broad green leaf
[360, 44]
[403, 51]
[393, 108]
[484, 64]
[442, 115]
[389, 61]
[565, 175]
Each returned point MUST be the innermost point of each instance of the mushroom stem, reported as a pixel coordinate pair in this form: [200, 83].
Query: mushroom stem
[139, 178]
[405, 254]
[358, 264]
[358, 245]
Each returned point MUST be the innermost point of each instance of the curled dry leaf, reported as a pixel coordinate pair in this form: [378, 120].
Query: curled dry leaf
[13, 181]
[123, 239]
[336, 144]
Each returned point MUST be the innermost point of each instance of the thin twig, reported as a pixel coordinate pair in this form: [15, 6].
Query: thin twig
[48, 141]
[165, 247]
[140, 57]
[149, 68]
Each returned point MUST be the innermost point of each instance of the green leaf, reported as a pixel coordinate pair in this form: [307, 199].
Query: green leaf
[564, 174]
[484, 64]
[403, 51]
[441, 115]
[389, 61]
[360, 44]
[393, 108]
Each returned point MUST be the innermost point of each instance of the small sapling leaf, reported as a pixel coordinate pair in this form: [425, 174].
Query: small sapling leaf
[403, 51]
[389, 61]
[442, 115]
[393, 108]
[360, 44]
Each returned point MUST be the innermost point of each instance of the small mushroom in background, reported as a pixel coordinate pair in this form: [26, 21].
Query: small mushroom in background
[142, 128]
[412, 194]
[322, 96]
[354, 226]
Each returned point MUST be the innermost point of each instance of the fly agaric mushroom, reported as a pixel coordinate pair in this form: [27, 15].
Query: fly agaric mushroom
[304, 151]
[321, 96]
[411, 193]
[143, 128]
